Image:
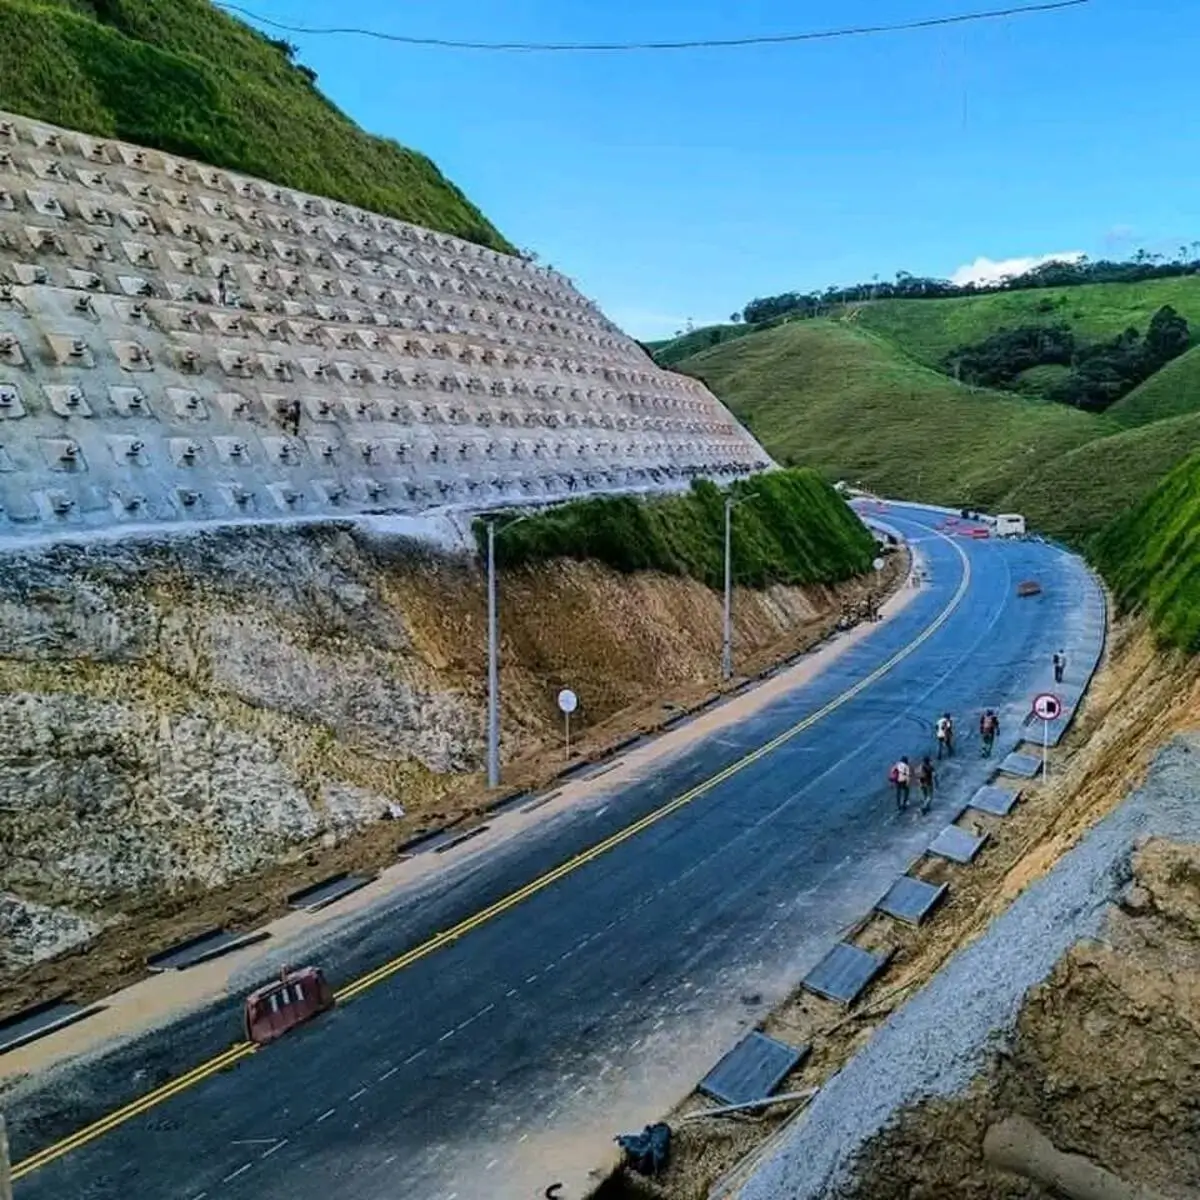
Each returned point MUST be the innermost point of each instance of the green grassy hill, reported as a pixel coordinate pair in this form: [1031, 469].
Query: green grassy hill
[833, 397]
[1075, 494]
[1151, 556]
[930, 329]
[861, 399]
[184, 77]
[675, 350]
[1171, 392]
[796, 530]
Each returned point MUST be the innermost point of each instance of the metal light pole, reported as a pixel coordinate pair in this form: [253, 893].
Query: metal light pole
[727, 638]
[493, 714]
[5, 1164]
[493, 702]
[727, 626]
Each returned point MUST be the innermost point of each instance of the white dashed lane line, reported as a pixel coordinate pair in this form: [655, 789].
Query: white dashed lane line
[326, 1115]
[240, 1171]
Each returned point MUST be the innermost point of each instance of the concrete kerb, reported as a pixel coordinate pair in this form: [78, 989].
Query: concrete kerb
[38, 1020]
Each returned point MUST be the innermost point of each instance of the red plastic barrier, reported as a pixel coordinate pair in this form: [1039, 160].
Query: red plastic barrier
[981, 533]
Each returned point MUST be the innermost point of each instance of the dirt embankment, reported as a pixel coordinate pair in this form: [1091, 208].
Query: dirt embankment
[1104, 1062]
[1104, 1048]
[194, 728]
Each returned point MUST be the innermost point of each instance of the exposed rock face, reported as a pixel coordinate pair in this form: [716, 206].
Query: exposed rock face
[30, 932]
[178, 713]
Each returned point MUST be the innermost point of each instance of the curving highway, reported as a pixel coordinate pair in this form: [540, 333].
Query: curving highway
[583, 1005]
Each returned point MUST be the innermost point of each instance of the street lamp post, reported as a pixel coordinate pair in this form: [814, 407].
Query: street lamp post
[727, 628]
[5, 1164]
[493, 699]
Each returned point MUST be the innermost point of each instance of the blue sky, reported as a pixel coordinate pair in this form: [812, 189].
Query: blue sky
[680, 185]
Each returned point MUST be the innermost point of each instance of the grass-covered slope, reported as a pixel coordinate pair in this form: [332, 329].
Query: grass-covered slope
[675, 350]
[1077, 493]
[1151, 556]
[1172, 391]
[795, 529]
[930, 329]
[184, 77]
[830, 396]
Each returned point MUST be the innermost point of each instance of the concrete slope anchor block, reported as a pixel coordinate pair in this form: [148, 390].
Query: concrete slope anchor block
[752, 1070]
[910, 900]
[844, 973]
[1024, 765]
[995, 800]
[957, 845]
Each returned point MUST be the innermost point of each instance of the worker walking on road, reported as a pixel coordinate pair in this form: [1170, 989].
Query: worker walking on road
[989, 726]
[945, 736]
[925, 780]
[1060, 666]
[900, 776]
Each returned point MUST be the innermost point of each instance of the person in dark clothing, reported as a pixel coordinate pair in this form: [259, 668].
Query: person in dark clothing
[925, 781]
[989, 727]
[1060, 666]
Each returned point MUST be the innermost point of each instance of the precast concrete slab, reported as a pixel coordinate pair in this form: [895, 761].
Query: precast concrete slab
[199, 949]
[995, 800]
[752, 1070]
[910, 900]
[957, 845]
[38, 1020]
[844, 973]
[457, 840]
[328, 891]
[1024, 765]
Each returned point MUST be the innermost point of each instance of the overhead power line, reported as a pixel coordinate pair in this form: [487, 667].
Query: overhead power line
[693, 44]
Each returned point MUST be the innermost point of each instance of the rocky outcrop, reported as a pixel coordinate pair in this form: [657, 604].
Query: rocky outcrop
[175, 714]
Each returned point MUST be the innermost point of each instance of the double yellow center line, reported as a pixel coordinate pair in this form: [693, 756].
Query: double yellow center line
[243, 1049]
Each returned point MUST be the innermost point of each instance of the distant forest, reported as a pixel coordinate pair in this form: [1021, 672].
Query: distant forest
[1141, 267]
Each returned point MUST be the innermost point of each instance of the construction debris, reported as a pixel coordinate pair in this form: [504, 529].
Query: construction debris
[750, 1105]
[647, 1152]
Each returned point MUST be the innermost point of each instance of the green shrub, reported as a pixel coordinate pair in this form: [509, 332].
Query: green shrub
[795, 529]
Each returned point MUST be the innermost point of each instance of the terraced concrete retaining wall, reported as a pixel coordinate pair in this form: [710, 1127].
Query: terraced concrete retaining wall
[181, 344]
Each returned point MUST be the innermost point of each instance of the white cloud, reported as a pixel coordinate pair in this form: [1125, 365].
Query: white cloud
[986, 270]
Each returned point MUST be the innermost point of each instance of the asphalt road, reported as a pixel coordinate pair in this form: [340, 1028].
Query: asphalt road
[489, 1068]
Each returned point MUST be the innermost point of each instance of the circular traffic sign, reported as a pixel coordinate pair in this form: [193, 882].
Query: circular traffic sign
[568, 702]
[878, 564]
[1047, 706]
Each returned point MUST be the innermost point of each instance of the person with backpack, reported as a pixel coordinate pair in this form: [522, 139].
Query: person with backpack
[945, 736]
[900, 776]
[1060, 666]
[989, 727]
[925, 781]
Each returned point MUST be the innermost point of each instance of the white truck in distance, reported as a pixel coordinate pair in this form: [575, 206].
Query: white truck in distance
[1009, 525]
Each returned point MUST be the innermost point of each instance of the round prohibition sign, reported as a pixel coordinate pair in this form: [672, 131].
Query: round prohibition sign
[1047, 707]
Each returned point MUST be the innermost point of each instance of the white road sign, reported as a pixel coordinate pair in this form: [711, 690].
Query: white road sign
[568, 702]
[1047, 706]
